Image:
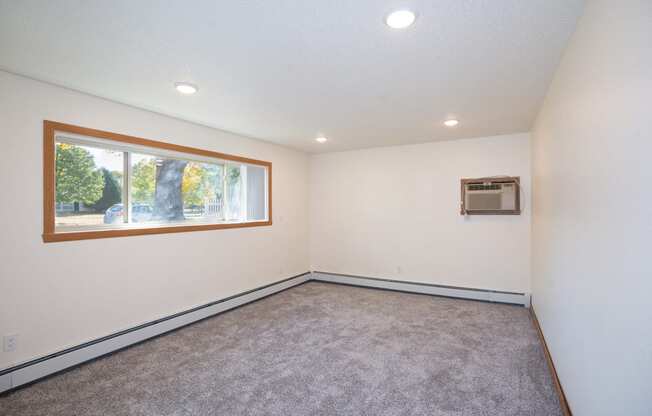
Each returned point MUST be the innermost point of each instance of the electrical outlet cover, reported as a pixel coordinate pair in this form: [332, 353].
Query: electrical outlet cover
[9, 342]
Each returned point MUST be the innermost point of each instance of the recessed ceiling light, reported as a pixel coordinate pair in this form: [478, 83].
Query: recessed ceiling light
[451, 123]
[321, 139]
[185, 87]
[400, 19]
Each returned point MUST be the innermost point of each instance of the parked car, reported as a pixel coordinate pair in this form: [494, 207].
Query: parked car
[139, 213]
[113, 214]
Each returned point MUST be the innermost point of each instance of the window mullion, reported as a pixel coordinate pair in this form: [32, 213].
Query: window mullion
[126, 188]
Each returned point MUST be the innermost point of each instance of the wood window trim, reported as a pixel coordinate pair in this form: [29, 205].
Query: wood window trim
[504, 179]
[50, 128]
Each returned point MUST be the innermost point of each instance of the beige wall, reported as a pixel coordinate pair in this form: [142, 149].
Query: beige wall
[61, 294]
[592, 222]
[394, 212]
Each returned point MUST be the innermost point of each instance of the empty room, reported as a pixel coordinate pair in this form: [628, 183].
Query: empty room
[325, 207]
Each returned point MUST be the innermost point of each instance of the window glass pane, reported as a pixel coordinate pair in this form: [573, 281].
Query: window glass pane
[165, 190]
[88, 184]
[168, 189]
[256, 195]
[234, 193]
[202, 192]
[143, 187]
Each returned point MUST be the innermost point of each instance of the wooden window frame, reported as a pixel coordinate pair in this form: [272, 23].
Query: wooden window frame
[51, 128]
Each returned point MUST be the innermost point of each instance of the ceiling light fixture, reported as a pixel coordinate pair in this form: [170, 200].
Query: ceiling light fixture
[400, 19]
[185, 88]
[451, 123]
[321, 139]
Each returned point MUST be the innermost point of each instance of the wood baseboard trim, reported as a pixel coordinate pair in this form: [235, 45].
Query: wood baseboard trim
[553, 372]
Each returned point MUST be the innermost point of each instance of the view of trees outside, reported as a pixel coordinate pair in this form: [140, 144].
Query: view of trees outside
[77, 177]
[111, 190]
[87, 181]
[177, 189]
[89, 188]
[143, 179]
[234, 192]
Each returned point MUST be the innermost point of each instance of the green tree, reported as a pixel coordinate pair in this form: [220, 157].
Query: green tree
[143, 183]
[77, 180]
[117, 175]
[111, 193]
[234, 186]
[193, 185]
[213, 180]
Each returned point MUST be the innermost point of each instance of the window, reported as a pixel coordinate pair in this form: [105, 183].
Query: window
[100, 184]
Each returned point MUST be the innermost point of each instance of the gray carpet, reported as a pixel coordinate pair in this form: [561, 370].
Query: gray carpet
[318, 349]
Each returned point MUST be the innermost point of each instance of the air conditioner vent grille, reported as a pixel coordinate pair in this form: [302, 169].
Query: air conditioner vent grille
[484, 187]
[497, 195]
[485, 201]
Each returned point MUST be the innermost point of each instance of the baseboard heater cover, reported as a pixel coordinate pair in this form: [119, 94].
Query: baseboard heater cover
[39, 368]
[515, 298]
[34, 370]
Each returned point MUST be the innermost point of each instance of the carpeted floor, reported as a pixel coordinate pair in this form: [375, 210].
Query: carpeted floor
[318, 349]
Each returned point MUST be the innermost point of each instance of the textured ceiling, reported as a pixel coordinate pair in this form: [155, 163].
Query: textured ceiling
[286, 71]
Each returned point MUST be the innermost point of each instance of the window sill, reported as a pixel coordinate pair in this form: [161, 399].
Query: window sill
[128, 232]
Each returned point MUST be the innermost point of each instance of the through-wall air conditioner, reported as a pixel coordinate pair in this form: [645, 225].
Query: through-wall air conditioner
[491, 196]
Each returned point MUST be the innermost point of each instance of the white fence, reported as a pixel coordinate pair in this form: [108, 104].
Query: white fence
[213, 207]
[62, 207]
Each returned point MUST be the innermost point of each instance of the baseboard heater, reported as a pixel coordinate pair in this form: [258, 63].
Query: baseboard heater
[515, 298]
[37, 369]
[34, 370]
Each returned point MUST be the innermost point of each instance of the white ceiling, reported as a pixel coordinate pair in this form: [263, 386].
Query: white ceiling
[287, 71]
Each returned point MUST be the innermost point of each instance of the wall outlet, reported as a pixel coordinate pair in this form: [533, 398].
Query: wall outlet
[10, 342]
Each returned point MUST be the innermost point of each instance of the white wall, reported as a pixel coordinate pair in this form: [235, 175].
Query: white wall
[592, 223]
[61, 294]
[394, 212]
